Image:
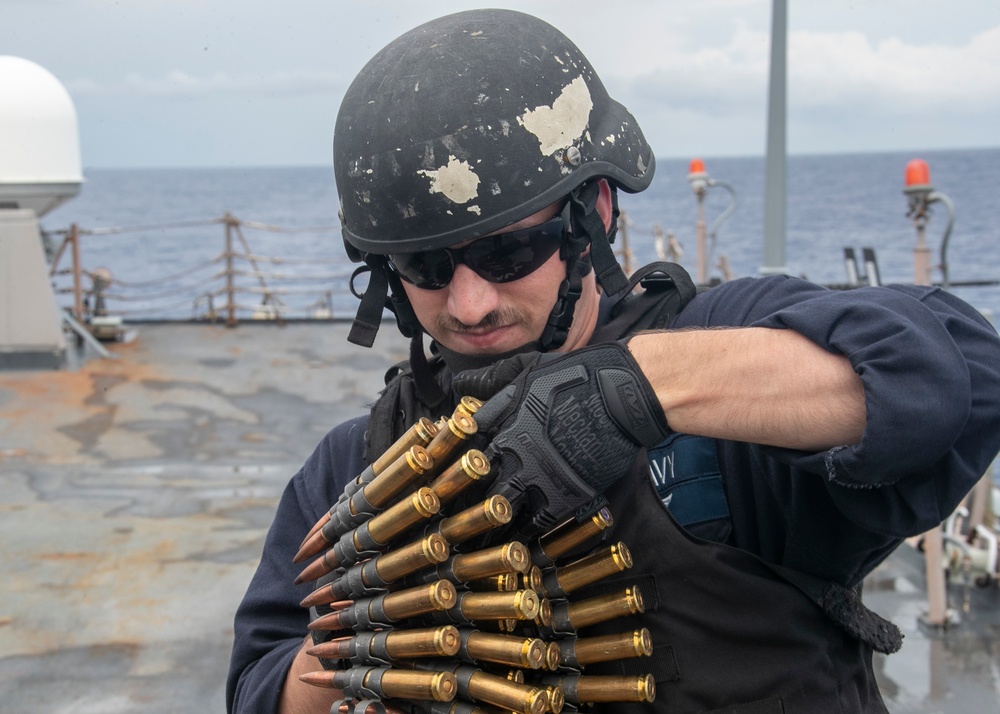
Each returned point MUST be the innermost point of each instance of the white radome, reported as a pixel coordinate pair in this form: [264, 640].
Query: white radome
[39, 138]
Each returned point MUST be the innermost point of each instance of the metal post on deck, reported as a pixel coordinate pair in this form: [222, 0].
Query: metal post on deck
[74, 236]
[698, 178]
[775, 181]
[230, 287]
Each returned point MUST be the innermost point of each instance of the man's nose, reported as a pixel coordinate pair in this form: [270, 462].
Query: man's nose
[470, 297]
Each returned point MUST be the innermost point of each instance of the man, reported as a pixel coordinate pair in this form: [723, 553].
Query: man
[757, 472]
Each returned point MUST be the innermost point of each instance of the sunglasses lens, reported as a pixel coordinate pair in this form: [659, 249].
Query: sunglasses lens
[429, 269]
[510, 256]
[501, 258]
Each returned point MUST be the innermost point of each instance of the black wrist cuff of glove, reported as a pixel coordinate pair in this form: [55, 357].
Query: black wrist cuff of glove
[628, 395]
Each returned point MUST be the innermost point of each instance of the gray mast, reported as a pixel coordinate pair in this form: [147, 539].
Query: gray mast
[775, 183]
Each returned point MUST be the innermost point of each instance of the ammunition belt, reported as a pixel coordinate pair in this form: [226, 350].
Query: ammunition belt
[411, 615]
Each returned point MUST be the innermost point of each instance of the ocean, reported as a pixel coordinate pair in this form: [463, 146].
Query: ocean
[173, 252]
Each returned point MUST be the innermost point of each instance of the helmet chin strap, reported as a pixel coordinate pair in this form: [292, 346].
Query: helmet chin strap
[586, 228]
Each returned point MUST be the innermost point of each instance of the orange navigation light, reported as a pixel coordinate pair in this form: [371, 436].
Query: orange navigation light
[698, 177]
[918, 174]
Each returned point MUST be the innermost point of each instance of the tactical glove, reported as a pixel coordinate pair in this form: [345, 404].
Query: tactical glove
[563, 428]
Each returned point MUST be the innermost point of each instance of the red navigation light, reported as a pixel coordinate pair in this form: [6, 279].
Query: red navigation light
[917, 173]
[697, 166]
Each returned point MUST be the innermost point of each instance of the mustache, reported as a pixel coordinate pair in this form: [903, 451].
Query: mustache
[505, 317]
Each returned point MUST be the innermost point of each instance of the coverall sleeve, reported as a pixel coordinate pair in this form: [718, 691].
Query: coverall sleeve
[270, 625]
[930, 366]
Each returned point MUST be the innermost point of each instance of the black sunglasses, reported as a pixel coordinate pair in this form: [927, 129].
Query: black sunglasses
[500, 258]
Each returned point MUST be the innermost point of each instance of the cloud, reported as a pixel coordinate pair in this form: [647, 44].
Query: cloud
[827, 70]
[830, 71]
[183, 84]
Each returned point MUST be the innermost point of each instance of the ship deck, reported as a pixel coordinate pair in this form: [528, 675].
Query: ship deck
[136, 491]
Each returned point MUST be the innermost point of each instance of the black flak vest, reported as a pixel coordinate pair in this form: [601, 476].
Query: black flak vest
[731, 633]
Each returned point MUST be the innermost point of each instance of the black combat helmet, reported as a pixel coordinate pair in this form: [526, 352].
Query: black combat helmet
[467, 124]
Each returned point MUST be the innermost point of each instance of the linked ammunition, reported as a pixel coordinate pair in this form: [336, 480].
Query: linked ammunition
[406, 470]
[372, 536]
[464, 472]
[509, 650]
[570, 616]
[594, 689]
[505, 582]
[456, 430]
[479, 686]
[373, 576]
[567, 536]
[362, 504]
[474, 521]
[517, 605]
[388, 683]
[589, 569]
[389, 608]
[510, 557]
[420, 434]
[579, 652]
[386, 645]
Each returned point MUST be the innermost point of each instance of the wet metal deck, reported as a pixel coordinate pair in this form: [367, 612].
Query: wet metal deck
[134, 496]
[135, 493]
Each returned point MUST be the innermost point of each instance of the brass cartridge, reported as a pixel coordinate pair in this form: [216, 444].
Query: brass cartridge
[421, 433]
[588, 569]
[441, 641]
[506, 649]
[426, 642]
[464, 472]
[420, 600]
[602, 608]
[553, 656]
[605, 648]
[389, 683]
[592, 689]
[532, 580]
[404, 471]
[397, 564]
[476, 520]
[512, 696]
[469, 406]
[504, 583]
[422, 686]
[517, 605]
[402, 516]
[557, 700]
[457, 429]
[544, 618]
[510, 557]
[567, 536]
[389, 607]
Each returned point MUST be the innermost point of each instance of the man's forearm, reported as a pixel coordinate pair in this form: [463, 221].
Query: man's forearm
[298, 697]
[757, 385]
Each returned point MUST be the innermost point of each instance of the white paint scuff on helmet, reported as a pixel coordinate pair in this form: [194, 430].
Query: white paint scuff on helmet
[562, 124]
[456, 181]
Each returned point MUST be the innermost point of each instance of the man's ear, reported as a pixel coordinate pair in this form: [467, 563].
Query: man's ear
[604, 208]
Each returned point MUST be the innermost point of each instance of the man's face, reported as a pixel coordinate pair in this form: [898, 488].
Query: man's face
[474, 316]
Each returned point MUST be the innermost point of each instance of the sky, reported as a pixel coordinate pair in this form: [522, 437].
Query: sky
[191, 83]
